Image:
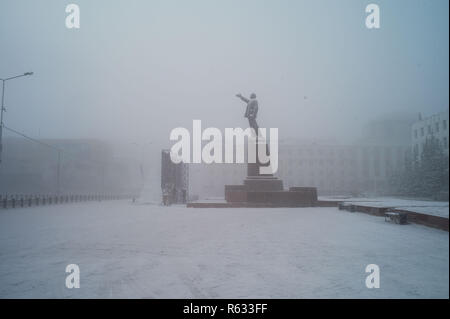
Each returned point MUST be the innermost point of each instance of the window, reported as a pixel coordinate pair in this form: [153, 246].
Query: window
[436, 127]
[444, 124]
[445, 142]
[422, 132]
[415, 133]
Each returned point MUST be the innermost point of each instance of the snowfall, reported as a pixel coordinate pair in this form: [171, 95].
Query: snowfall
[133, 250]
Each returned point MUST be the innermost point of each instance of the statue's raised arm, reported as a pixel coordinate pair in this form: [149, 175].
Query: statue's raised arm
[239, 95]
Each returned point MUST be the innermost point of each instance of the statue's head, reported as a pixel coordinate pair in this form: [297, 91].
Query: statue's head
[253, 96]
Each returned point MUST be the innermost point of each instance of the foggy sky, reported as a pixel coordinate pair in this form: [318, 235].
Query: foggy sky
[137, 69]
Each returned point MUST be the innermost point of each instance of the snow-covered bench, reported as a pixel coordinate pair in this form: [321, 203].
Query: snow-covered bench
[396, 217]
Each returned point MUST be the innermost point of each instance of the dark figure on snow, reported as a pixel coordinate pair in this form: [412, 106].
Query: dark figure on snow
[251, 111]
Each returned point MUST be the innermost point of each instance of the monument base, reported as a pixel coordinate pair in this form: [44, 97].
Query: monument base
[294, 197]
[263, 183]
[266, 190]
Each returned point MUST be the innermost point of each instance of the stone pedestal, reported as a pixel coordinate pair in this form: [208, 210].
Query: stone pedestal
[256, 181]
[301, 197]
[266, 190]
[263, 183]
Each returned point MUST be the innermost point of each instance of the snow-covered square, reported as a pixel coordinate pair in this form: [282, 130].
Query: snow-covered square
[127, 250]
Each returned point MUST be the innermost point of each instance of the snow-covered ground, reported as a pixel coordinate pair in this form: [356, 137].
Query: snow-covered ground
[129, 250]
[419, 206]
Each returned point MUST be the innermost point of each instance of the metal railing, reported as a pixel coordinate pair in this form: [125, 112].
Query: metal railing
[18, 201]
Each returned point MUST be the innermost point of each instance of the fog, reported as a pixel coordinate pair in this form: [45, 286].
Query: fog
[137, 69]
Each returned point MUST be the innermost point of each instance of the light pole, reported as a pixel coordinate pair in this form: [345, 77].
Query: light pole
[140, 149]
[3, 107]
[141, 160]
[58, 174]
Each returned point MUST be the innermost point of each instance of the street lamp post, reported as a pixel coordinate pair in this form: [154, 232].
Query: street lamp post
[58, 174]
[3, 107]
[141, 161]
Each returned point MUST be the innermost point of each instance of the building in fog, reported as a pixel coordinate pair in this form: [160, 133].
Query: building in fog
[339, 169]
[334, 169]
[208, 180]
[388, 129]
[86, 167]
[174, 179]
[433, 126]
[362, 167]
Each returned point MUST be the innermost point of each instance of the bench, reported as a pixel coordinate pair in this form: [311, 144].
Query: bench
[398, 218]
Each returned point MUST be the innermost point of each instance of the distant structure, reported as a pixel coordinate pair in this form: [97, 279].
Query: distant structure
[433, 126]
[362, 167]
[333, 168]
[206, 180]
[174, 180]
[340, 169]
[387, 129]
[87, 166]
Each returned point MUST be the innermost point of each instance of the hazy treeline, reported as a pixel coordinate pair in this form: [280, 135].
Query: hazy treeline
[425, 175]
